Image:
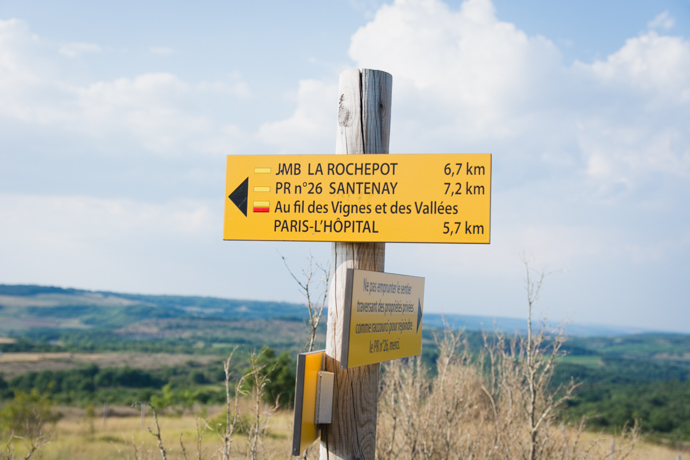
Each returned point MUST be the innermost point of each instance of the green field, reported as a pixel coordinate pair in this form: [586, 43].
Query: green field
[85, 348]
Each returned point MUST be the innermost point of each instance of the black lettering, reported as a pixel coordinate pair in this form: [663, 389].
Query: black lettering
[289, 169]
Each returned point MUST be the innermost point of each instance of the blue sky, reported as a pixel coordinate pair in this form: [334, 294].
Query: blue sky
[116, 118]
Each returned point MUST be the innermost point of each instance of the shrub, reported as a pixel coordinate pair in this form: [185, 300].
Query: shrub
[495, 405]
[28, 414]
[279, 374]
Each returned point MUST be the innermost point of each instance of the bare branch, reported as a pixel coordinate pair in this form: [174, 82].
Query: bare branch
[157, 434]
[315, 303]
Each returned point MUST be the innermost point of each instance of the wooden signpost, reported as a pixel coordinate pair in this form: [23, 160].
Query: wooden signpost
[358, 204]
[364, 109]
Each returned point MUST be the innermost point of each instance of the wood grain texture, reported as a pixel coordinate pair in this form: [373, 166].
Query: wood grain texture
[363, 127]
[349, 139]
[377, 89]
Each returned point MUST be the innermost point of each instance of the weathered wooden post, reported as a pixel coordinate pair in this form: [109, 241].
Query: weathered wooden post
[422, 198]
[364, 116]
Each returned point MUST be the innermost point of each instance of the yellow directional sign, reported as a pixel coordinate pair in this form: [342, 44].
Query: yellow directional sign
[425, 198]
[383, 317]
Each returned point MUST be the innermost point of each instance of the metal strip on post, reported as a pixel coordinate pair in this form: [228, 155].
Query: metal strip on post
[364, 108]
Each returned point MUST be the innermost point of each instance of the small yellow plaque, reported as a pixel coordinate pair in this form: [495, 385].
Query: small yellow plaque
[305, 429]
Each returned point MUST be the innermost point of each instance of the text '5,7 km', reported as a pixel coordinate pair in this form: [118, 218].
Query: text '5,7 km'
[423, 198]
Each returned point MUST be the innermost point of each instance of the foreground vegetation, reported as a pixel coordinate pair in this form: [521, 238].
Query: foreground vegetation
[175, 363]
[614, 391]
[78, 435]
[495, 404]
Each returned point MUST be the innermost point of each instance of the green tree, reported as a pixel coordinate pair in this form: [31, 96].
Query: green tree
[280, 373]
[28, 414]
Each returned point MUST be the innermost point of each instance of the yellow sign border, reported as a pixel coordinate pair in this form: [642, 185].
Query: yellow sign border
[424, 198]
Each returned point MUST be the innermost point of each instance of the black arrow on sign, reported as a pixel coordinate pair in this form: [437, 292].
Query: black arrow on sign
[240, 195]
[419, 313]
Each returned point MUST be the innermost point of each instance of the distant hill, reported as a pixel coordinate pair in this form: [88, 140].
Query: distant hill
[24, 307]
[519, 325]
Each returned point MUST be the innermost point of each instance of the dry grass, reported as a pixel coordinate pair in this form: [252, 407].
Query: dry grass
[452, 416]
[496, 406]
[114, 441]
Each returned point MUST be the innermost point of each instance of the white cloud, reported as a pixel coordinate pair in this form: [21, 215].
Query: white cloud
[155, 112]
[161, 50]
[73, 50]
[234, 86]
[463, 78]
[651, 65]
[636, 125]
[456, 59]
[662, 21]
[71, 223]
[106, 243]
[312, 127]
[15, 40]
